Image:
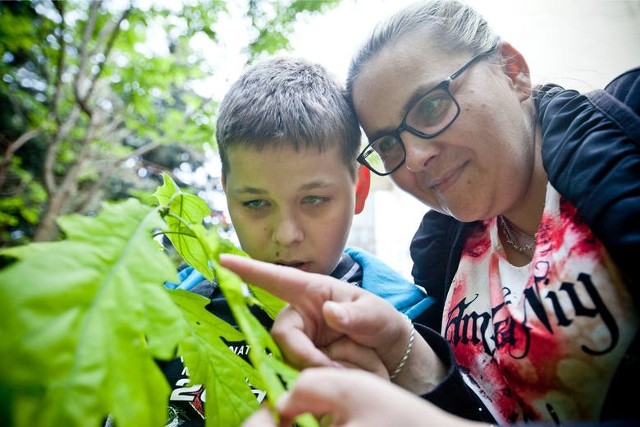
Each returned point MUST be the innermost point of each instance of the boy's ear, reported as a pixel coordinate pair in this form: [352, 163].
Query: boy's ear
[362, 187]
[223, 182]
[517, 69]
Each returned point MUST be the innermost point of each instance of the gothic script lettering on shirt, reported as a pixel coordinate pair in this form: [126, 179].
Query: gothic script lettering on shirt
[540, 341]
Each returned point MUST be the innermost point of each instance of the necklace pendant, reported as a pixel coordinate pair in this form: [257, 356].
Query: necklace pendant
[512, 240]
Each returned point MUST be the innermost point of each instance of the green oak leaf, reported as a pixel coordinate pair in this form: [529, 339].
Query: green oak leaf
[209, 360]
[265, 354]
[84, 320]
[269, 303]
[184, 220]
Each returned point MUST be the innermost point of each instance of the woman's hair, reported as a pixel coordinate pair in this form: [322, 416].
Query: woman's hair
[287, 102]
[448, 24]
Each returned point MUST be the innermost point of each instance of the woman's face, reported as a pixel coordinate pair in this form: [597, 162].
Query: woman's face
[483, 163]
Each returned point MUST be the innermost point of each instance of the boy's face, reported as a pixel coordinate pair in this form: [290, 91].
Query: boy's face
[291, 208]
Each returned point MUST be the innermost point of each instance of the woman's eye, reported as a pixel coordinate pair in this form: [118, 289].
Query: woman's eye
[431, 109]
[387, 145]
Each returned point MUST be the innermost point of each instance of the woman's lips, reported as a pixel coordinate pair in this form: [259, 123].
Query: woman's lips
[448, 179]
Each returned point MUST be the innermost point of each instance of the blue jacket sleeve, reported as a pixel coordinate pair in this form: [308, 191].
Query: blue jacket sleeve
[382, 280]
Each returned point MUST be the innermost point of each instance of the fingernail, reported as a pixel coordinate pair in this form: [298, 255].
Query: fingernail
[338, 312]
[282, 401]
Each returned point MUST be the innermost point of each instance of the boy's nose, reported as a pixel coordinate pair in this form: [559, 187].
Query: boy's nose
[287, 231]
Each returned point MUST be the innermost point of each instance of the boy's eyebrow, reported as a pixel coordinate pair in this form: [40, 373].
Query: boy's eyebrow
[314, 185]
[249, 190]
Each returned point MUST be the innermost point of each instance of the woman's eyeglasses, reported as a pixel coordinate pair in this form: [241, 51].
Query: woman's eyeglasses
[426, 118]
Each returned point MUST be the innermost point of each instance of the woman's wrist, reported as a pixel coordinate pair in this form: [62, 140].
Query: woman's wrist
[423, 370]
[407, 352]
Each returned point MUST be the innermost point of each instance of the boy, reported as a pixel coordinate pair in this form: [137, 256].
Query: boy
[288, 143]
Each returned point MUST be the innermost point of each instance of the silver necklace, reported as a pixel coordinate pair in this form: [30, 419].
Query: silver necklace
[512, 240]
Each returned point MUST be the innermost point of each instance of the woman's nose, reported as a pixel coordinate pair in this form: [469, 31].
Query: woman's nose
[418, 151]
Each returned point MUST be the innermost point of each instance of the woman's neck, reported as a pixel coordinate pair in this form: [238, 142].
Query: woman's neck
[527, 214]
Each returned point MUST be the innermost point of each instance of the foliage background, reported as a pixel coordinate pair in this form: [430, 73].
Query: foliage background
[86, 322]
[99, 100]
[100, 97]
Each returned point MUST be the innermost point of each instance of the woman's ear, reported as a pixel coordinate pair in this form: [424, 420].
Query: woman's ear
[363, 184]
[517, 69]
[223, 182]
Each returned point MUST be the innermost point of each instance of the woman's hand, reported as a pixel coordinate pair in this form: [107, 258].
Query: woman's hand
[325, 317]
[349, 397]
[349, 354]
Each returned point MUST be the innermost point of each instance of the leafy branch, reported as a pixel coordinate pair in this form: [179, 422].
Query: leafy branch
[86, 320]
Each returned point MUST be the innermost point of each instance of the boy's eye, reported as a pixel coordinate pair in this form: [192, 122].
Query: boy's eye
[255, 204]
[315, 200]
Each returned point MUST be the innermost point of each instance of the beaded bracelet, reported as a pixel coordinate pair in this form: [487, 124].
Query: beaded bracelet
[407, 351]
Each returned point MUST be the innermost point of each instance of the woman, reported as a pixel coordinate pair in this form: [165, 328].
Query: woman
[529, 245]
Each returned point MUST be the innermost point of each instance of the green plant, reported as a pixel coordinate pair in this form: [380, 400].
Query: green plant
[85, 320]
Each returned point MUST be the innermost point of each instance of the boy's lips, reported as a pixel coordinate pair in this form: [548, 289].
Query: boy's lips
[300, 265]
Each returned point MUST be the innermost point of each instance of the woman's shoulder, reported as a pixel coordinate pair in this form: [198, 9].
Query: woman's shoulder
[569, 119]
[436, 249]
[624, 89]
[591, 152]
[620, 100]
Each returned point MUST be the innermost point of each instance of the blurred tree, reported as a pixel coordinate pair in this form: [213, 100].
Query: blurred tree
[99, 97]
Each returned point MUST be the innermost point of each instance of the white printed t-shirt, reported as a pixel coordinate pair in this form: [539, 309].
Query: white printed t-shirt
[544, 342]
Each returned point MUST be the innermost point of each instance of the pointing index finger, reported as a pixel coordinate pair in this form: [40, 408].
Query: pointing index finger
[286, 283]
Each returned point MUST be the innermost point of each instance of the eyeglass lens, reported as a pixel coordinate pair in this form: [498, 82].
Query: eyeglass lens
[430, 115]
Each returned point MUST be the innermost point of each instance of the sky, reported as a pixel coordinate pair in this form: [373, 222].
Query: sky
[579, 43]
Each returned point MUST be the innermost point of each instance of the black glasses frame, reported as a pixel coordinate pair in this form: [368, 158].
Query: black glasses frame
[443, 85]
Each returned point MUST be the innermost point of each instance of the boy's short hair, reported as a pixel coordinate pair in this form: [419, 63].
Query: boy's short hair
[287, 102]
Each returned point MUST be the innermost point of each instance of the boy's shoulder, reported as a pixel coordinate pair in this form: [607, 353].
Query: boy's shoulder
[379, 278]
